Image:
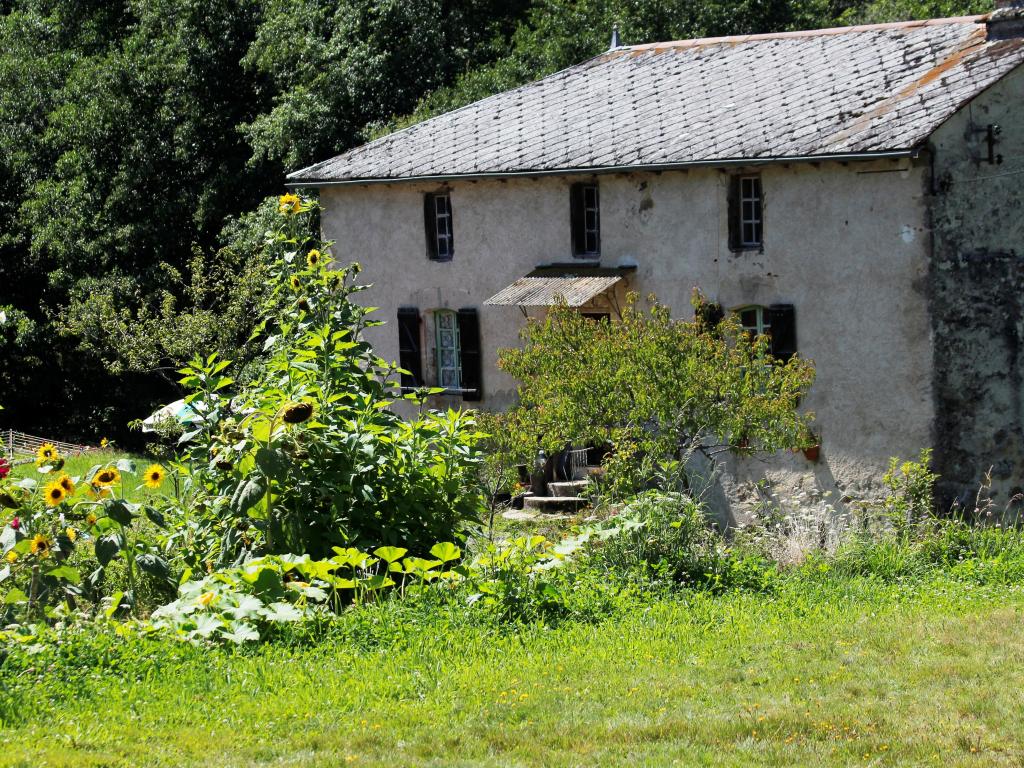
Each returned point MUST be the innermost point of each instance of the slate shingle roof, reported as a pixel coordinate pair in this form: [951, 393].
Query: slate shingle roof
[848, 91]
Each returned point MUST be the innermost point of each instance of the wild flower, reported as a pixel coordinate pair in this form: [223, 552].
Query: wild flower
[154, 476]
[54, 493]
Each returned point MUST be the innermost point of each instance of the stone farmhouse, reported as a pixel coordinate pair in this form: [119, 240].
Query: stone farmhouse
[855, 193]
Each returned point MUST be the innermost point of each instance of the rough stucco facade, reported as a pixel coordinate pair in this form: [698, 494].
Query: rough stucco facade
[897, 242]
[846, 244]
[977, 296]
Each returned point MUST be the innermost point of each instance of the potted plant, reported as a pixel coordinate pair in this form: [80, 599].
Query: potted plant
[811, 445]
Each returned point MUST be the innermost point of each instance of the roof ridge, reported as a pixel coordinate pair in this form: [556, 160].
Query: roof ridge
[698, 41]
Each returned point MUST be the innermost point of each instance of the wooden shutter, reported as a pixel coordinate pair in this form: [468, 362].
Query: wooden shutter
[783, 324]
[577, 220]
[735, 227]
[410, 350]
[469, 351]
[430, 225]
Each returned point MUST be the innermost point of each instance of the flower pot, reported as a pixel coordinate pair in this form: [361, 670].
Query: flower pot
[812, 452]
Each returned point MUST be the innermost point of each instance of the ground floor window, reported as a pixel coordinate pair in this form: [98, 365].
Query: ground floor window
[777, 322]
[449, 365]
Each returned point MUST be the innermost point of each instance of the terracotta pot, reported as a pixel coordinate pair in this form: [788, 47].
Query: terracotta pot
[812, 453]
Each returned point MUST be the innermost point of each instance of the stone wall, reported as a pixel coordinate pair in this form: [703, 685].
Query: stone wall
[977, 296]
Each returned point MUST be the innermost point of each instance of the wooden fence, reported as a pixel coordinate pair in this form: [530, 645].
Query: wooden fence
[19, 445]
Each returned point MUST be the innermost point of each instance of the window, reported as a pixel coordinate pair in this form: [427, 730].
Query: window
[746, 213]
[449, 368]
[778, 322]
[437, 218]
[458, 354]
[585, 216]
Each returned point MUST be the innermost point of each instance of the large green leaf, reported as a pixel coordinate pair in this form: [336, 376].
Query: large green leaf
[446, 551]
[272, 463]
[119, 510]
[106, 547]
[248, 494]
[390, 554]
[153, 565]
[65, 573]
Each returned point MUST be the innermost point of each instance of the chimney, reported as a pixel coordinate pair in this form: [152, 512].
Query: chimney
[617, 43]
[1006, 20]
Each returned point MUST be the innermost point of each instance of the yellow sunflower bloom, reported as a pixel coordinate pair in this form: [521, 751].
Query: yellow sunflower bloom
[47, 454]
[107, 477]
[314, 258]
[296, 283]
[12, 556]
[289, 204]
[154, 476]
[67, 484]
[54, 493]
[90, 519]
[40, 545]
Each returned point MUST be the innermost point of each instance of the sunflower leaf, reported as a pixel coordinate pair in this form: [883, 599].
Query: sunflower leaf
[155, 516]
[153, 565]
[106, 547]
[118, 510]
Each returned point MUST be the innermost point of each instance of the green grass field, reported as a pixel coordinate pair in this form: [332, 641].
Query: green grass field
[826, 672]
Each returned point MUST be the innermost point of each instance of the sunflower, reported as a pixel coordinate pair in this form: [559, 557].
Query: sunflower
[296, 283]
[314, 257]
[106, 477]
[67, 484]
[54, 493]
[289, 204]
[47, 454]
[12, 556]
[90, 519]
[40, 545]
[154, 476]
[71, 533]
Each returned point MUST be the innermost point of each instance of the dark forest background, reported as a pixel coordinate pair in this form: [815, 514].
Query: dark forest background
[141, 143]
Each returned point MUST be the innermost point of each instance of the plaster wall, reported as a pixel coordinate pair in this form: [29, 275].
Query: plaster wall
[846, 244]
[977, 297]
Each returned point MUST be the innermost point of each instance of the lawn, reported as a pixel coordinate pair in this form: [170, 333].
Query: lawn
[827, 671]
[77, 466]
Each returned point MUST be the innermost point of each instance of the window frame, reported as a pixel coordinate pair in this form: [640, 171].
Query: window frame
[440, 348]
[584, 200]
[439, 225]
[762, 325]
[746, 212]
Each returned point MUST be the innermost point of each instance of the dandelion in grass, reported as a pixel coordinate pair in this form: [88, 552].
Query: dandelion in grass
[289, 204]
[54, 493]
[67, 484]
[314, 258]
[154, 476]
[40, 545]
[107, 477]
[47, 454]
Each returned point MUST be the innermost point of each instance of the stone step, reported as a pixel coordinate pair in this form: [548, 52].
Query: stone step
[570, 488]
[555, 503]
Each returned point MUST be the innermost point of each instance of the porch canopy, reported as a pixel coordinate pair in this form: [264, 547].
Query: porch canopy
[546, 286]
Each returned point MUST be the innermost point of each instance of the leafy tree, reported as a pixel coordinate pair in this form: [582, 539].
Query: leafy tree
[653, 387]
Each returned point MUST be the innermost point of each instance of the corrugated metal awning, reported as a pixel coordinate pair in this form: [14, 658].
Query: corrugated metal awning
[541, 288]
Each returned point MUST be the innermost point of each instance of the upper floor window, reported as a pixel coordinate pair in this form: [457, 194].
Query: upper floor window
[746, 213]
[585, 214]
[437, 217]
